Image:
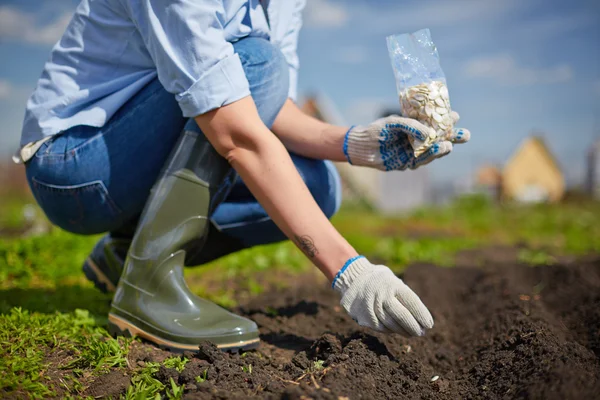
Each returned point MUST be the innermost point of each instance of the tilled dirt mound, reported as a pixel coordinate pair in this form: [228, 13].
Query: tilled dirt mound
[502, 331]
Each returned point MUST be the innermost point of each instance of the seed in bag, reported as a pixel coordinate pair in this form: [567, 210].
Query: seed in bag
[421, 85]
[429, 104]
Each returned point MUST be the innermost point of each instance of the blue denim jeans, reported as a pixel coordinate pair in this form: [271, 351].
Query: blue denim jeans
[90, 180]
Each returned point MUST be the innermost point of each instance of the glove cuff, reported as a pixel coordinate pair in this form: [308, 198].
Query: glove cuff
[353, 268]
[361, 147]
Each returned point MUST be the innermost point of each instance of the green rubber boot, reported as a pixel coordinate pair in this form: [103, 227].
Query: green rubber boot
[152, 300]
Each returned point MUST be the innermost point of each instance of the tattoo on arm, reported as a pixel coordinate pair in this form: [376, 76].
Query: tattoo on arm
[307, 245]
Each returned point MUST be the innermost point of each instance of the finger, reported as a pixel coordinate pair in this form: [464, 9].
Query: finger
[384, 315]
[385, 323]
[410, 127]
[455, 117]
[404, 319]
[459, 135]
[437, 150]
[414, 305]
[374, 322]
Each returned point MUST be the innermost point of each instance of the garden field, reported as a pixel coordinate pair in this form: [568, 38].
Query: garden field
[514, 291]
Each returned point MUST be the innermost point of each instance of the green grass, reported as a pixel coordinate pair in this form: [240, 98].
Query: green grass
[145, 386]
[49, 312]
[30, 341]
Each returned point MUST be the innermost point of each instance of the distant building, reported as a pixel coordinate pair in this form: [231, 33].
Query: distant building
[488, 180]
[389, 192]
[592, 182]
[532, 174]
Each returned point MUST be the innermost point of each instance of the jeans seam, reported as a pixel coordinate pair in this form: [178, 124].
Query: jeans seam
[222, 227]
[114, 207]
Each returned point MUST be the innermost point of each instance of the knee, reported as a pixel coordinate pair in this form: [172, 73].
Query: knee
[323, 181]
[267, 72]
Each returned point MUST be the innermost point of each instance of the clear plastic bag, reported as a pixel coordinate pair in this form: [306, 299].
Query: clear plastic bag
[421, 84]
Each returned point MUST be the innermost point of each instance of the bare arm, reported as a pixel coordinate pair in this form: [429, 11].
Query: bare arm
[307, 136]
[262, 161]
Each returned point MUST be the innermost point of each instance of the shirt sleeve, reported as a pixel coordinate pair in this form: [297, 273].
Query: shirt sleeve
[194, 61]
[289, 46]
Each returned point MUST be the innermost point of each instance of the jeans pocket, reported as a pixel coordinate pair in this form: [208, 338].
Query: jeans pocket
[85, 208]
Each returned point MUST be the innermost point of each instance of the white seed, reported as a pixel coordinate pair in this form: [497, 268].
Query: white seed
[414, 103]
[444, 91]
[428, 103]
[435, 378]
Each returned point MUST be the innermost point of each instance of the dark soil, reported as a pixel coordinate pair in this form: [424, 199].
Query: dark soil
[501, 331]
[109, 385]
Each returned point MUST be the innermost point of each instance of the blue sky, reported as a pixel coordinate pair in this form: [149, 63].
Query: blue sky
[513, 67]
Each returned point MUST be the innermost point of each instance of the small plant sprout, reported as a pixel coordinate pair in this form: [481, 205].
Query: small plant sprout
[271, 312]
[176, 362]
[203, 377]
[247, 368]
[176, 392]
[318, 365]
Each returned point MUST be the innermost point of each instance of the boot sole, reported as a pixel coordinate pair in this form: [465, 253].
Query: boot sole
[98, 278]
[120, 327]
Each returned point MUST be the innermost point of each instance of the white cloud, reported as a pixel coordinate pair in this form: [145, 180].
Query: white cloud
[549, 26]
[351, 54]
[5, 89]
[325, 14]
[434, 14]
[18, 26]
[10, 91]
[440, 13]
[504, 69]
[465, 24]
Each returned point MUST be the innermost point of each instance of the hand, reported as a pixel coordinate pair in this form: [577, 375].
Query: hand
[386, 143]
[374, 297]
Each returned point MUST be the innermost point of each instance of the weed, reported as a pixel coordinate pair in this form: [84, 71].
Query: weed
[317, 365]
[176, 362]
[176, 392]
[272, 312]
[143, 383]
[247, 368]
[203, 377]
[30, 339]
[535, 257]
[42, 289]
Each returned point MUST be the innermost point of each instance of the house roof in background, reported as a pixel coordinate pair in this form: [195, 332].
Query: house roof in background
[532, 140]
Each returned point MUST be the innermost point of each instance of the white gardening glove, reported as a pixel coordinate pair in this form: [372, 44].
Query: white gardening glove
[376, 298]
[386, 143]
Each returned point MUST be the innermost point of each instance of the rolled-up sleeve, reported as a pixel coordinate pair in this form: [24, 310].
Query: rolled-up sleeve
[194, 61]
[289, 47]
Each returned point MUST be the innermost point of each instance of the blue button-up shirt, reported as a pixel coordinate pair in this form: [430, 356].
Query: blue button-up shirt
[112, 48]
